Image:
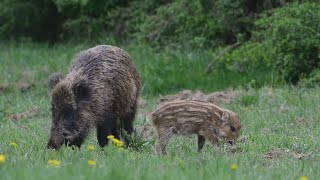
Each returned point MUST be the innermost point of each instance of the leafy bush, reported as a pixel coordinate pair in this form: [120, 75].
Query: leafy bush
[200, 23]
[287, 41]
[197, 23]
[293, 32]
[249, 58]
[90, 19]
[38, 19]
[311, 81]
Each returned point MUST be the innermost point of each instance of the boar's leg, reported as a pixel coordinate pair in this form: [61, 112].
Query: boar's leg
[115, 131]
[128, 120]
[201, 141]
[128, 123]
[54, 143]
[164, 135]
[104, 128]
[102, 133]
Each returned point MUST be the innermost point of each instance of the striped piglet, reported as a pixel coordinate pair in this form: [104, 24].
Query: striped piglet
[206, 120]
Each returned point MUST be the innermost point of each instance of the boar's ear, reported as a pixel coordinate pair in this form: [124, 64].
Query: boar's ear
[81, 91]
[54, 79]
[225, 116]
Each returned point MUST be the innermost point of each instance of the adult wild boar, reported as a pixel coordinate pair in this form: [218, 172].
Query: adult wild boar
[100, 90]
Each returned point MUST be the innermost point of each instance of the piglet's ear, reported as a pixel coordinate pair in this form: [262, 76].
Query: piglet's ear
[54, 79]
[81, 91]
[225, 116]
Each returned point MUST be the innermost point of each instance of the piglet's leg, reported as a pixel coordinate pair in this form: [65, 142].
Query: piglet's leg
[164, 135]
[212, 138]
[201, 142]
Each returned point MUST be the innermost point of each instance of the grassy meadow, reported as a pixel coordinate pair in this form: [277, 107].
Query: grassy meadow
[280, 125]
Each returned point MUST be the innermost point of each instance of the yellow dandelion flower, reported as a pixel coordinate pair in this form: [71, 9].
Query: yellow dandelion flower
[119, 144]
[91, 163]
[110, 137]
[115, 141]
[13, 144]
[233, 167]
[54, 163]
[303, 178]
[90, 147]
[2, 159]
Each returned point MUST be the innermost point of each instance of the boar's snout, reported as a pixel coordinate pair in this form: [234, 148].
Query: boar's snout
[52, 144]
[55, 140]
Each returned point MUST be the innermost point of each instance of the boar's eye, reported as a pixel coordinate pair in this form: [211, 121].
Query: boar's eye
[232, 128]
[53, 111]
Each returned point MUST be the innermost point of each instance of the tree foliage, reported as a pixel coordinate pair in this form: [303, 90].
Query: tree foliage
[200, 23]
[279, 36]
[38, 19]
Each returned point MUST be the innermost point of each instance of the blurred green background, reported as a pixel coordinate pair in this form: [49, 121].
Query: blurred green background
[248, 41]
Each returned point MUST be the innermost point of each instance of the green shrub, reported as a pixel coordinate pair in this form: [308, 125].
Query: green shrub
[195, 23]
[173, 22]
[249, 58]
[311, 81]
[180, 23]
[37, 19]
[287, 42]
[293, 32]
[201, 23]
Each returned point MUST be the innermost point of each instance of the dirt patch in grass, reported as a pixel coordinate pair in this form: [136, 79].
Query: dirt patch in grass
[278, 153]
[301, 155]
[27, 114]
[223, 97]
[4, 86]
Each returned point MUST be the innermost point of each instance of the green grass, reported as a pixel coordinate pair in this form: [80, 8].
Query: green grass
[268, 117]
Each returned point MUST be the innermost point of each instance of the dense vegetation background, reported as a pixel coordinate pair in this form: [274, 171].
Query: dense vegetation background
[277, 39]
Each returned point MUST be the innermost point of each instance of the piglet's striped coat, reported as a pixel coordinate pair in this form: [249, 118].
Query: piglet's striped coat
[205, 119]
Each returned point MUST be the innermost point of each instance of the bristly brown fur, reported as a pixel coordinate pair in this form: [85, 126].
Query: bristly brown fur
[101, 87]
[206, 120]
